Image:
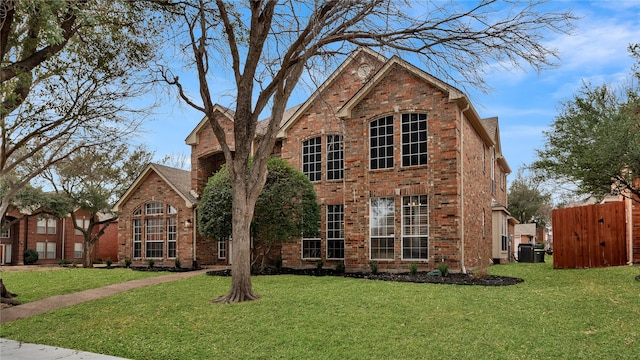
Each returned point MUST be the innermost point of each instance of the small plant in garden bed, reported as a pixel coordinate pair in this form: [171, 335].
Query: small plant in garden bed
[373, 265]
[444, 269]
[413, 268]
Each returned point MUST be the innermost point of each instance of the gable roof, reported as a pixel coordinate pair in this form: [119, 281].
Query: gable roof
[455, 95]
[179, 180]
[345, 111]
[192, 138]
[302, 108]
[493, 128]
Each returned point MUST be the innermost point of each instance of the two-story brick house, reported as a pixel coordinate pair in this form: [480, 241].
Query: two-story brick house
[54, 239]
[404, 168]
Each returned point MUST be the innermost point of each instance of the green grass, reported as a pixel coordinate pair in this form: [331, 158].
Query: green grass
[36, 285]
[554, 314]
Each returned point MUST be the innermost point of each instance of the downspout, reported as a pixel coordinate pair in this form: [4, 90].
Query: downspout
[193, 233]
[629, 222]
[64, 227]
[462, 123]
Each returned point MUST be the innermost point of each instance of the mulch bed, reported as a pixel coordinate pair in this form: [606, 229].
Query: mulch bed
[420, 277]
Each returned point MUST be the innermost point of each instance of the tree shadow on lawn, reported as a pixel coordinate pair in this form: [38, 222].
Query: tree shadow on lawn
[419, 277]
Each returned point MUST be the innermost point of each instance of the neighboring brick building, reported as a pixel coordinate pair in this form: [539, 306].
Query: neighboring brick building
[54, 239]
[404, 168]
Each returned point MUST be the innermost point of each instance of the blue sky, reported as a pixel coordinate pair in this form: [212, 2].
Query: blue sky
[525, 102]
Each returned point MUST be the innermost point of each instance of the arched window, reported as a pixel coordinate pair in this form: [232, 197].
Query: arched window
[155, 231]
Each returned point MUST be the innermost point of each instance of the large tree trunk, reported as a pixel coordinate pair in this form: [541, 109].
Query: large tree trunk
[241, 288]
[87, 254]
[6, 295]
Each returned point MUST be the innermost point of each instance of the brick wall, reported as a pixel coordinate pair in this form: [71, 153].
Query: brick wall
[477, 200]
[107, 245]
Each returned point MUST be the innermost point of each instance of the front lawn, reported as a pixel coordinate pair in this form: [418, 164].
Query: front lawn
[553, 314]
[36, 285]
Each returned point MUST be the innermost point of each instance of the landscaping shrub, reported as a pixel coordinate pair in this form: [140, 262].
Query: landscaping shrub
[30, 256]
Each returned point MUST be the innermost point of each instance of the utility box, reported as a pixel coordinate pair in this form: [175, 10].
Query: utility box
[525, 253]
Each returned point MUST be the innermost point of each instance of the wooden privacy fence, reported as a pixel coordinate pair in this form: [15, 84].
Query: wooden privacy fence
[589, 236]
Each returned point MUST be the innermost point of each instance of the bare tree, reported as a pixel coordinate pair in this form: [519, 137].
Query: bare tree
[267, 45]
[67, 79]
[93, 180]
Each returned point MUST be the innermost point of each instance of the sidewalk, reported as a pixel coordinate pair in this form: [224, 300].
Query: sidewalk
[15, 350]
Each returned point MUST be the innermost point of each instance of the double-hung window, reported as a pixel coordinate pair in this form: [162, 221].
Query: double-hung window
[381, 227]
[46, 250]
[46, 226]
[415, 227]
[83, 223]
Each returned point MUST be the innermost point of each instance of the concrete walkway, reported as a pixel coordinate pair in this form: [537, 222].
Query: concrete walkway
[15, 350]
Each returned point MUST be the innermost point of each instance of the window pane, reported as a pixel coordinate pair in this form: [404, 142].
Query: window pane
[51, 250]
[335, 231]
[51, 226]
[415, 227]
[42, 226]
[381, 227]
[77, 250]
[335, 157]
[414, 139]
[381, 143]
[40, 249]
[154, 208]
[311, 159]
[310, 248]
[171, 237]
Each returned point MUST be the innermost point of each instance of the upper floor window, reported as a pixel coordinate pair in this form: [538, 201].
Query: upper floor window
[381, 143]
[83, 223]
[154, 208]
[335, 157]
[312, 158]
[414, 139]
[5, 233]
[46, 226]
